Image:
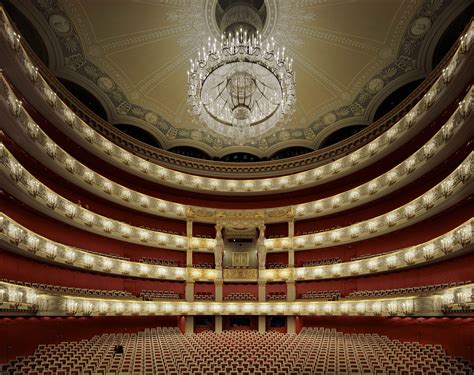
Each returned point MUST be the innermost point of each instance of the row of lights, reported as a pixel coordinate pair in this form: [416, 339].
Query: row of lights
[40, 246]
[83, 306]
[249, 185]
[90, 219]
[17, 295]
[72, 211]
[395, 174]
[461, 237]
[359, 230]
[323, 205]
[459, 295]
[441, 246]
[377, 307]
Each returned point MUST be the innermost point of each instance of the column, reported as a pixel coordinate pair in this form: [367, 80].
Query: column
[189, 291]
[189, 235]
[189, 327]
[218, 256]
[262, 323]
[189, 287]
[218, 283]
[218, 324]
[290, 283]
[291, 234]
[290, 290]
[261, 253]
[262, 290]
[290, 324]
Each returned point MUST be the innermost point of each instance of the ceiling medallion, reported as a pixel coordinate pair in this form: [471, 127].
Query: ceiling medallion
[241, 86]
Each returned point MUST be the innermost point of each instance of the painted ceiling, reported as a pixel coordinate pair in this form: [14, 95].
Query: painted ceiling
[133, 56]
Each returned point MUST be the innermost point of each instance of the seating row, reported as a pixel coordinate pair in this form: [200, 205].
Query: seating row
[162, 230]
[53, 289]
[321, 262]
[276, 296]
[325, 295]
[204, 296]
[152, 295]
[273, 266]
[315, 351]
[203, 265]
[159, 262]
[240, 297]
[403, 291]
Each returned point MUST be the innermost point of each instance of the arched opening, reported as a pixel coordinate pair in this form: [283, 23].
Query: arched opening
[341, 134]
[189, 151]
[139, 134]
[240, 157]
[395, 98]
[85, 97]
[28, 31]
[451, 35]
[290, 152]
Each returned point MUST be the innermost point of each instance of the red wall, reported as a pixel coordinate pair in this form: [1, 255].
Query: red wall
[199, 258]
[275, 287]
[204, 229]
[277, 229]
[281, 258]
[18, 268]
[409, 236]
[239, 288]
[457, 269]
[72, 236]
[204, 288]
[93, 202]
[456, 335]
[165, 192]
[20, 336]
[387, 202]
[252, 327]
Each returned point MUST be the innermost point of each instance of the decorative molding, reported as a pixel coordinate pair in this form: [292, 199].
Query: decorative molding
[281, 16]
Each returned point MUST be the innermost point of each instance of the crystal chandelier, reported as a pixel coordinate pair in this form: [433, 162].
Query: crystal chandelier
[241, 87]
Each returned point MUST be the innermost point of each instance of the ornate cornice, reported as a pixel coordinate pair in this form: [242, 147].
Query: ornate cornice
[78, 66]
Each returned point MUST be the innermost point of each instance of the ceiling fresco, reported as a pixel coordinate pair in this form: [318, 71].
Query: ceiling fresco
[133, 56]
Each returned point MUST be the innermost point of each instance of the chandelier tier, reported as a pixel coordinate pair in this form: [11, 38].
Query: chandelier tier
[241, 87]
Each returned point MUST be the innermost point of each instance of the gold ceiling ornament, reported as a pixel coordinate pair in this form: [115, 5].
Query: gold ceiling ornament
[240, 86]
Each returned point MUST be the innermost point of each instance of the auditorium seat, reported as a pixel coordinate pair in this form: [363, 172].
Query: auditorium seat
[57, 289]
[167, 351]
[152, 295]
[323, 295]
[204, 296]
[417, 290]
[159, 262]
[321, 262]
[243, 296]
[276, 296]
